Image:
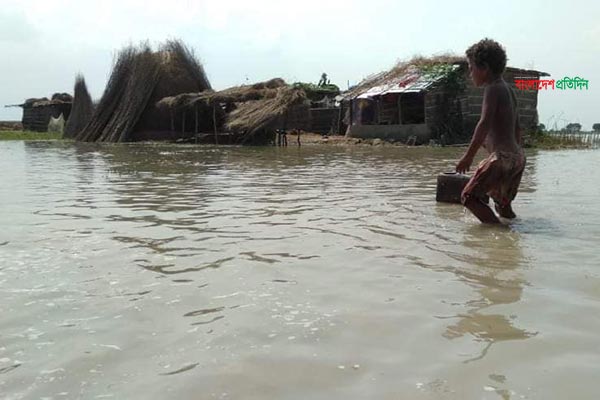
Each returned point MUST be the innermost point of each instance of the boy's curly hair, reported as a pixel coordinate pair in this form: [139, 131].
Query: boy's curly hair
[488, 52]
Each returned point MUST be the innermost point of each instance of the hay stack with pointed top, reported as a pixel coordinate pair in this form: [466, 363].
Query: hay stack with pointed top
[127, 111]
[81, 110]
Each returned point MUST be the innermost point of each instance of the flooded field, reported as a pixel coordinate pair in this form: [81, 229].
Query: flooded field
[155, 272]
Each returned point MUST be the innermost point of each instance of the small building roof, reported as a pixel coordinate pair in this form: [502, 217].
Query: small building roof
[413, 76]
[411, 81]
[57, 98]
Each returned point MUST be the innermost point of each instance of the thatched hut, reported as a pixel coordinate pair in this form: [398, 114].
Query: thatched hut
[81, 111]
[427, 98]
[38, 111]
[140, 78]
[247, 114]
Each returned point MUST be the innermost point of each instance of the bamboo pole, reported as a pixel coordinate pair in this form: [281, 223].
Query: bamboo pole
[351, 122]
[215, 123]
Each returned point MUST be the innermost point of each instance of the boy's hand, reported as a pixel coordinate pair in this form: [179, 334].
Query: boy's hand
[464, 164]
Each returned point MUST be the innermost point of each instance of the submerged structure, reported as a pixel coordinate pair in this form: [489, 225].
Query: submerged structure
[427, 98]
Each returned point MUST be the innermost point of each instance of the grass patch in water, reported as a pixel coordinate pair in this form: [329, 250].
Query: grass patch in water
[29, 135]
[547, 141]
[536, 140]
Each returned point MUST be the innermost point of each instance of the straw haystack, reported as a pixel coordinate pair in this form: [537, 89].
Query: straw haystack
[81, 110]
[140, 78]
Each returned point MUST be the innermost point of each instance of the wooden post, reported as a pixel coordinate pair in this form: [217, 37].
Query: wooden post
[284, 130]
[183, 123]
[399, 110]
[215, 123]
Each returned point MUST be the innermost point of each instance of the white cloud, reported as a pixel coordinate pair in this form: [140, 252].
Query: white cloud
[15, 28]
[261, 23]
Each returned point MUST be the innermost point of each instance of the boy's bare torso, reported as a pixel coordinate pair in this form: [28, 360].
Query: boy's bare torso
[502, 133]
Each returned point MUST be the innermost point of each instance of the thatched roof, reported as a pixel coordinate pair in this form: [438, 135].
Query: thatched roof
[141, 77]
[255, 107]
[57, 98]
[236, 94]
[254, 115]
[404, 73]
[81, 111]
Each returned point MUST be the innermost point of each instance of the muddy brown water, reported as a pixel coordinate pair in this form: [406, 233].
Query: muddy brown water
[155, 272]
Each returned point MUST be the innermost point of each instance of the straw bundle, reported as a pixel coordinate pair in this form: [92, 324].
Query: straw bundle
[81, 111]
[254, 115]
[139, 79]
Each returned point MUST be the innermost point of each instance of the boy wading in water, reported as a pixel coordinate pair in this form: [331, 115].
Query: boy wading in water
[498, 131]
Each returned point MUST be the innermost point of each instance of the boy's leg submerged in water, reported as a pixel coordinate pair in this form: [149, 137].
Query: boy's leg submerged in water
[474, 195]
[481, 210]
[491, 178]
[503, 199]
[505, 211]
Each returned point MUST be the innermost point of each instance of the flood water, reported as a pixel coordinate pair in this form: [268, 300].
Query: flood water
[182, 272]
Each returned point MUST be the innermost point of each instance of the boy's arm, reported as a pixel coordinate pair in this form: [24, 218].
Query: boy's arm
[490, 102]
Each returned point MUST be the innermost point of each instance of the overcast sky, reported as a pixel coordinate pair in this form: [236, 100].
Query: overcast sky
[44, 44]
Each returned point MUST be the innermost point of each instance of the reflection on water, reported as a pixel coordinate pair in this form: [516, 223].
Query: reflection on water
[495, 276]
[153, 271]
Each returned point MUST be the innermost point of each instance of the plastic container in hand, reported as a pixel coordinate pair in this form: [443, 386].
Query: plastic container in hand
[450, 186]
